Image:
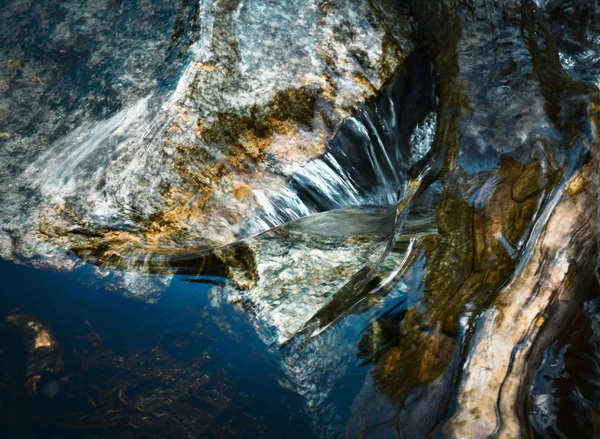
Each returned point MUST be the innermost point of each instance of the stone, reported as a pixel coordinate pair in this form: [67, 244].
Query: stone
[256, 92]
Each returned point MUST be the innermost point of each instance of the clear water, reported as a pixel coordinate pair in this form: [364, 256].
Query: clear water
[184, 325]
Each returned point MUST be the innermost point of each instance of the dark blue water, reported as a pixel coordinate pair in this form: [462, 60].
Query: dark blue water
[182, 326]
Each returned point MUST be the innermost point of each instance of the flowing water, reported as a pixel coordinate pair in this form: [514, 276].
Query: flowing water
[311, 219]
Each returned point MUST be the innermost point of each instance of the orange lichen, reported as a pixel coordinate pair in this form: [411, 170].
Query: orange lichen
[205, 67]
[241, 191]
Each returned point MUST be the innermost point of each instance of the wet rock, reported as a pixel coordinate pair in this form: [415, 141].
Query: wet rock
[254, 93]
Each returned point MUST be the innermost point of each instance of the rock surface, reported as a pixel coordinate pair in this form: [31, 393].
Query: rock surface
[188, 157]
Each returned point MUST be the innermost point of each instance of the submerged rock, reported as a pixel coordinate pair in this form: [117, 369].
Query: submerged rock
[531, 309]
[514, 130]
[44, 363]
